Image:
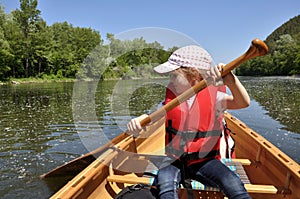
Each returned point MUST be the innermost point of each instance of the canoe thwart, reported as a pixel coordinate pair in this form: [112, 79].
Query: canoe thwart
[256, 188]
[129, 179]
[244, 162]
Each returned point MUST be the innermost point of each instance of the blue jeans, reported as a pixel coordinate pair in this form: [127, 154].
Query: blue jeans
[212, 172]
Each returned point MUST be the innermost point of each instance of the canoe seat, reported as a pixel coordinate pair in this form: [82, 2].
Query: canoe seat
[235, 165]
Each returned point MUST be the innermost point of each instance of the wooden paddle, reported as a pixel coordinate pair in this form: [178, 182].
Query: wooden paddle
[257, 48]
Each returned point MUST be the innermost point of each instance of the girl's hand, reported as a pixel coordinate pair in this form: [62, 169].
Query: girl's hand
[217, 77]
[134, 127]
[215, 74]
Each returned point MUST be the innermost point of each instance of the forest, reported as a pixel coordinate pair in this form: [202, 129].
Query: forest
[32, 49]
[29, 48]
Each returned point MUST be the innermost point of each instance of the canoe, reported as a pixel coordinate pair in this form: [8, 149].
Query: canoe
[269, 172]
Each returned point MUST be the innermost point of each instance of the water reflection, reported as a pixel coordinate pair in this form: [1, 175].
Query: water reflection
[280, 96]
[27, 144]
[155, 94]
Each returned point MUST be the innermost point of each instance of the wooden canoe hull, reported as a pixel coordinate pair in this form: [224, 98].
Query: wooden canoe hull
[269, 166]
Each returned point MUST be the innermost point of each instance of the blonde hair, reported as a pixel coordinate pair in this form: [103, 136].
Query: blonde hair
[190, 73]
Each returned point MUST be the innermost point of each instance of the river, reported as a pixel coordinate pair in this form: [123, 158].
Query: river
[45, 125]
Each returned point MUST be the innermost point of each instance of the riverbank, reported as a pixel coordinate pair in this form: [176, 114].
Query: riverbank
[15, 81]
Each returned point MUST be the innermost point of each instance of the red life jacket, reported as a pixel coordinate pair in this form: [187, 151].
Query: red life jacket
[194, 134]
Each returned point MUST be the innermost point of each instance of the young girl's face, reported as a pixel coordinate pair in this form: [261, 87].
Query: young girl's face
[179, 82]
[183, 79]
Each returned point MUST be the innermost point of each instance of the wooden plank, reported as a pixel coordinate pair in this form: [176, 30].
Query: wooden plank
[255, 188]
[130, 179]
[245, 162]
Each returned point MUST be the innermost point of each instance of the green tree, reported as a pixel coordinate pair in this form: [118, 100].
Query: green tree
[283, 55]
[41, 45]
[61, 54]
[296, 62]
[84, 41]
[5, 55]
[27, 18]
[70, 47]
[15, 38]
[95, 63]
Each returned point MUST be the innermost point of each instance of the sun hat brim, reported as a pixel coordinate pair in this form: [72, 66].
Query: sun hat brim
[166, 68]
[188, 56]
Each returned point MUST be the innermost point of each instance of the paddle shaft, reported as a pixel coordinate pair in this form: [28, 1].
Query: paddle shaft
[257, 48]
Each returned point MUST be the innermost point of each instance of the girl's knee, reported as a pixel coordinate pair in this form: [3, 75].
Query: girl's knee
[167, 186]
[168, 179]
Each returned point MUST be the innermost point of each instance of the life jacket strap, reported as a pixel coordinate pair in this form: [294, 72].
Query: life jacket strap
[187, 156]
[190, 135]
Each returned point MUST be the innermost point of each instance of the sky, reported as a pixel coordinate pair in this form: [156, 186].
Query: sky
[224, 28]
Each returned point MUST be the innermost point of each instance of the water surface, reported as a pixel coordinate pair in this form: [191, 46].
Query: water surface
[40, 130]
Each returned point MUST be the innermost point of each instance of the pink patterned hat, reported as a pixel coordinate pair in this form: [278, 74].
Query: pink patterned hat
[188, 56]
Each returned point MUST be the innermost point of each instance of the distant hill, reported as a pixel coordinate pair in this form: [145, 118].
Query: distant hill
[283, 57]
[291, 27]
